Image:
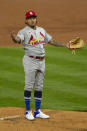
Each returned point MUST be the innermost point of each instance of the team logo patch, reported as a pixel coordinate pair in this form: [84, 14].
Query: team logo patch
[31, 13]
[36, 41]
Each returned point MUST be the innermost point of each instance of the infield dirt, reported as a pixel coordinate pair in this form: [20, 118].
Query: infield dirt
[59, 121]
[63, 19]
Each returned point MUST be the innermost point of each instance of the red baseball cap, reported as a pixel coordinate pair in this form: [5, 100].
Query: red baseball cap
[30, 13]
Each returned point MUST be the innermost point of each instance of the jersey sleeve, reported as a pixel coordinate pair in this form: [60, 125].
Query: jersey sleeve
[21, 35]
[47, 37]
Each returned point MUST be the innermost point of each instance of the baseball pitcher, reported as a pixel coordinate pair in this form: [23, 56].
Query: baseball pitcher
[33, 39]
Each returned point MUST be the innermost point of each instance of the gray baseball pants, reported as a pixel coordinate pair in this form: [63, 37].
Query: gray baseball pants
[34, 73]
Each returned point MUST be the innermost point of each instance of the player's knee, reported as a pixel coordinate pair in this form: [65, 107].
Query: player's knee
[27, 94]
[29, 87]
[39, 87]
[38, 95]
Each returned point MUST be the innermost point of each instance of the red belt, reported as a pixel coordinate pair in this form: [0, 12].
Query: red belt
[37, 57]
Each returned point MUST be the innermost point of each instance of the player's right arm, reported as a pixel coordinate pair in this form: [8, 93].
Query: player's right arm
[19, 38]
[15, 38]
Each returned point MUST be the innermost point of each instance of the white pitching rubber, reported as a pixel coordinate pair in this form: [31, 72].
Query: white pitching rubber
[10, 117]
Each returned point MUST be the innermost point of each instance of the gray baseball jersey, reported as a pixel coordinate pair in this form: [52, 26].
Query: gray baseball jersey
[34, 40]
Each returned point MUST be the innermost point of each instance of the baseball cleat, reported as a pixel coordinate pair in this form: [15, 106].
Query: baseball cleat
[40, 114]
[29, 115]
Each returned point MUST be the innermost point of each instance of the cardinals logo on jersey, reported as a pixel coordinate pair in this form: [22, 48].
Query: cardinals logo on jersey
[37, 41]
[31, 38]
[41, 34]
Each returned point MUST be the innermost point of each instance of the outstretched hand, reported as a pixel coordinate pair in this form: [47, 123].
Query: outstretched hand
[75, 43]
[68, 45]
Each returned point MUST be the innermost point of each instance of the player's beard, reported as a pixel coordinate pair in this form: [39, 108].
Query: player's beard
[33, 26]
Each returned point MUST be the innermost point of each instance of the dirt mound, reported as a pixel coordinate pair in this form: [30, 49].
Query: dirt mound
[59, 121]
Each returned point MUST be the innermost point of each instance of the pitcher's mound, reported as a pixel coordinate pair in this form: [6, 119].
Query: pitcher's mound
[59, 121]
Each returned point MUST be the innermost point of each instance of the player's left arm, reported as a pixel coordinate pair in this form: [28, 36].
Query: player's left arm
[57, 43]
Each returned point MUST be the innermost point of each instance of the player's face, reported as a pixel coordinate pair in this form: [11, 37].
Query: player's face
[32, 21]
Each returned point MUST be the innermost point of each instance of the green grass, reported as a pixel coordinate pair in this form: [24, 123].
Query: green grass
[65, 83]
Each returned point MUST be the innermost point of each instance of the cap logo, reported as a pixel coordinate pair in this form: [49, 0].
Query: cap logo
[31, 13]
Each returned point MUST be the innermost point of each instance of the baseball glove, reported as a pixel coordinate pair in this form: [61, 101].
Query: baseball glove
[76, 43]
